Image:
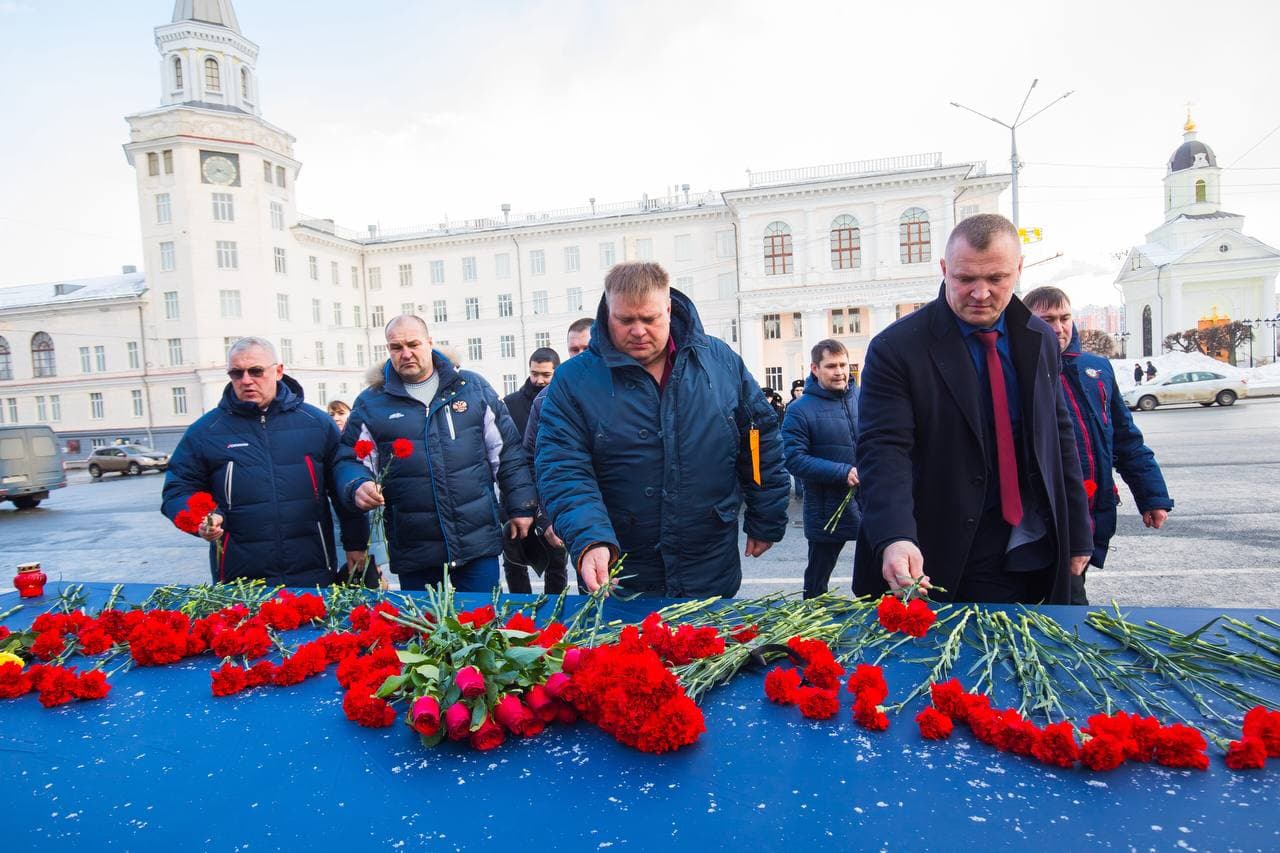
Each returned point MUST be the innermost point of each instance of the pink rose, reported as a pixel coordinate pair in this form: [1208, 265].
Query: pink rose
[488, 736]
[515, 717]
[424, 716]
[470, 682]
[457, 721]
[572, 660]
[541, 703]
[556, 684]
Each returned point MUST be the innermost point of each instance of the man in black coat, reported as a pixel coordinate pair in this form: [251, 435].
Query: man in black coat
[966, 451]
[542, 366]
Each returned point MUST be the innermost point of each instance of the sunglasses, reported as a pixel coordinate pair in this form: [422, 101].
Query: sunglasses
[237, 373]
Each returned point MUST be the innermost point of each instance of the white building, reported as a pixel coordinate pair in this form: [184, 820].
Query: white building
[1198, 262]
[796, 256]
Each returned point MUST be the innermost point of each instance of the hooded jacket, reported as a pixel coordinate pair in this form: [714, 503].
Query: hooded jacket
[819, 435]
[661, 477]
[270, 473]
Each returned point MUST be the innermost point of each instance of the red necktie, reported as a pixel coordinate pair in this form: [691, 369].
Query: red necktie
[1010, 497]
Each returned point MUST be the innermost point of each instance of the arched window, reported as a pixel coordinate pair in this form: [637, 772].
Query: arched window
[6, 360]
[777, 249]
[42, 363]
[177, 74]
[913, 236]
[1202, 190]
[1146, 331]
[846, 243]
[212, 79]
[244, 84]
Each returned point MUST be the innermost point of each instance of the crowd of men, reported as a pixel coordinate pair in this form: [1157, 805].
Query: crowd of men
[976, 458]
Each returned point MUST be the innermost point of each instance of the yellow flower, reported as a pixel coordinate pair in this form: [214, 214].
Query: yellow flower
[10, 657]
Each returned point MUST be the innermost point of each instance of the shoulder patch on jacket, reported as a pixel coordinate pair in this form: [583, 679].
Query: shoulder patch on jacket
[1092, 372]
[459, 406]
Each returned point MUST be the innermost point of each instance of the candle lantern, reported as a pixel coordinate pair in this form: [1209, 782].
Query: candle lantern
[30, 580]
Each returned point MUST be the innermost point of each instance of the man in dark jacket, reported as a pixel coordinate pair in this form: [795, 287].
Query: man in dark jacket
[651, 440]
[1106, 436]
[966, 453]
[542, 366]
[440, 502]
[267, 458]
[819, 436]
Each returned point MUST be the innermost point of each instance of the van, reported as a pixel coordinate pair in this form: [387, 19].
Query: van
[30, 465]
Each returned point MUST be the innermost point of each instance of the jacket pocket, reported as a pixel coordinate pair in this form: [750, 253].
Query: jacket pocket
[227, 477]
[311, 472]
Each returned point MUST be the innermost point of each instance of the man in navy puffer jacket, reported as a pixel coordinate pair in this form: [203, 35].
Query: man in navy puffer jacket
[819, 435]
[440, 502]
[267, 458]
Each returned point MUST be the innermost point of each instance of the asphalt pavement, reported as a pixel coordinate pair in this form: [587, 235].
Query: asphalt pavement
[1220, 547]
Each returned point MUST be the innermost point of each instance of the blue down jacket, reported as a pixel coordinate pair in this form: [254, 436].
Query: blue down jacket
[819, 436]
[1108, 439]
[270, 473]
[660, 478]
[441, 504]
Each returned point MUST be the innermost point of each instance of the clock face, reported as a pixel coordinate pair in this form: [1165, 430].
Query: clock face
[220, 168]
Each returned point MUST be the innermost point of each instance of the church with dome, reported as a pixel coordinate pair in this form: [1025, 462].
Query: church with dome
[1198, 263]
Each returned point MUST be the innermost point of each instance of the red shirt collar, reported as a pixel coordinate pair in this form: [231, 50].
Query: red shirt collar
[670, 363]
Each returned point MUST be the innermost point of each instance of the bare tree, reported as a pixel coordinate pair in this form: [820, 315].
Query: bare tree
[1185, 341]
[1097, 341]
[1225, 338]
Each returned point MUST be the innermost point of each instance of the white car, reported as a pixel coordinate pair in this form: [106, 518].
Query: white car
[1192, 386]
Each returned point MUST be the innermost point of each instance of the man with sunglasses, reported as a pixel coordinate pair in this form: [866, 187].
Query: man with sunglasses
[268, 459]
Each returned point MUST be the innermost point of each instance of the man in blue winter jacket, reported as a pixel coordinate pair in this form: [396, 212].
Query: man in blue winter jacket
[440, 500]
[267, 458]
[651, 441]
[1106, 436]
[819, 435]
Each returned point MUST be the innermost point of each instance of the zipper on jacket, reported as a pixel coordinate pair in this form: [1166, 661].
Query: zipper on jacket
[271, 466]
[435, 496]
[311, 472]
[1102, 392]
[448, 416]
[1084, 431]
[226, 482]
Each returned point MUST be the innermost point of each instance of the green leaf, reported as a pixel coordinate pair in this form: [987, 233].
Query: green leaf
[391, 685]
[523, 656]
[411, 658]
[478, 713]
[429, 671]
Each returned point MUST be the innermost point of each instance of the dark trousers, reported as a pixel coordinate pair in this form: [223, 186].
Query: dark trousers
[986, 577]
[555, 579]
[822, 561]
[479, 575]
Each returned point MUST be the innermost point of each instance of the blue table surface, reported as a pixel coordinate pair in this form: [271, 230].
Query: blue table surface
[161, 762]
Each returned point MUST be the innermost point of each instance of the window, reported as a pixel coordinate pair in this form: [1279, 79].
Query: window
[1146, 333]
[469, 268]
[322, 393]
[229, 302]
[572, 261]
[95, 406]
[573, 299]
[684, 247]
[212, 79]
[244, 84]
[100, 359]
[437, 272]
[281, 264]
[179, 401]
[507, 346]
[375, 278]
[286, 350]
[540, 302]
[855, 321]
[502, 265]
[773, 377]
[313, 267]
[846, 243]
[408, 308]
[266, 171]
[228, 257]
[55, 407]
[772, 327]
[727, 285]
[537, 262]
[355, 278]
[13, 418]
[337, 313]
[282, 306]
[504, 304]
[315, 311]
[42, 411]
[166, 157]
[177, 74]
[131, 350]
[42, 360]
[171, 305]
[86, 360]
[319, 353]
[1202, 191]
[164, 213]
[724, 244]
[541, 339]
[340, 353]
[474, 351]
[356, 319]
[153, 164]
[777, 249]
[175, 351]
[733, 331]
[167, 263]
[509, 381]
[6, 360]
[913, 236]
[644, 249]
[359, 355]
[440, 311]
[797, 325]
[226, 346]
[472, 304]
[135, 396]
[837, 321]
[607, 256]
[380, 352]
[97, 442]
[684, 284]
[377, 318]
[224, 207]
[277, 212]
[280, 176]
[406, 275]
[334, 277]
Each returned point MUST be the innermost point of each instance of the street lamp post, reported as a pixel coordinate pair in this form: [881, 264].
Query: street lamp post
[1273, 323]
[1251, 325]
[1123, 337]
[1018, 122]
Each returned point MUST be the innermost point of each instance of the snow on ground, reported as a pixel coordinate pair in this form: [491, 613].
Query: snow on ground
[1262, 380]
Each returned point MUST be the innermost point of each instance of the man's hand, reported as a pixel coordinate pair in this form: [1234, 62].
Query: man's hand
[211, 528]
[368, 496]
[594, 567]
[520, 527]
[756, 547]
[853, 477]
[1155, 518]
[1079, 564]
[355, 560]
[552, 539]
[902, 564]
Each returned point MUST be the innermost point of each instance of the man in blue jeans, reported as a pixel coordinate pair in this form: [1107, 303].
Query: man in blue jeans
[819, 438]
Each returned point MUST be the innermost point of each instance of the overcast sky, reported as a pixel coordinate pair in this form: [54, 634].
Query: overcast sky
[406, 112]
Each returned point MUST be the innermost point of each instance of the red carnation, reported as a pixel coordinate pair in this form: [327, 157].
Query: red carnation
[1146, 731]
[948, 697]
[810, 651]
[228, 680]
[677, 722]
[780, 685]
[1019, 735]
[262, 672]
[1247, 754]
[1103, 753]
[94, 641]
[1056, 745]
[867, 713]
[201, 504]
[1264, 725]
[824, 673]
[1181, 746]
[520, 622]
[367, 710]
[470, 682]
[891, 612]
[402, 448]
[816, 703]
[550, 635]
[187, 521]
[14, 682]
[868, 679]
[92, 685]
[56, 685]
[478, 617]
[457, 721]
[934, 725]
[424, 715]
[745, 634]
[4, 632]
[363, 448]
[48, 645]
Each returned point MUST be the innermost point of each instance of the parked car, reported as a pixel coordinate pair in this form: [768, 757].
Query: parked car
[30, 465]
[1192, 386]
[126, 459]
